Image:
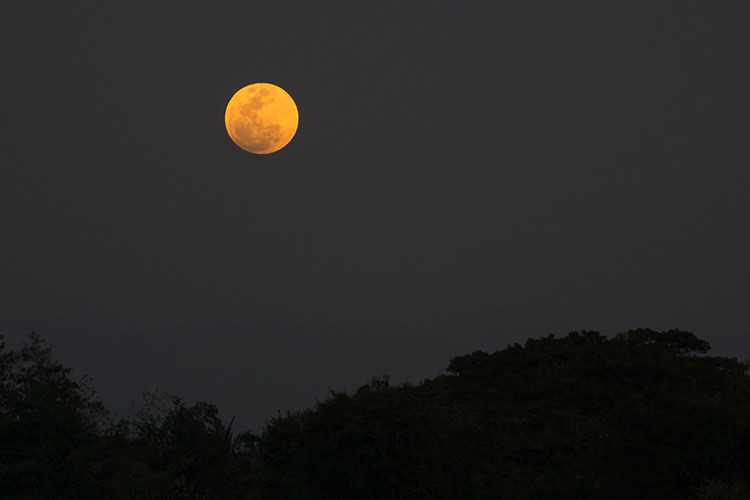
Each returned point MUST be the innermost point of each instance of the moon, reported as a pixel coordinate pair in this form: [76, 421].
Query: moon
[261, 118]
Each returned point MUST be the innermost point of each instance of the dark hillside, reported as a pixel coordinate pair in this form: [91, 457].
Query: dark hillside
[645, 414]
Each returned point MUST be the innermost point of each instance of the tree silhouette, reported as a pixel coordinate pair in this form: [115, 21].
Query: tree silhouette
[643, 414]
[49, 424]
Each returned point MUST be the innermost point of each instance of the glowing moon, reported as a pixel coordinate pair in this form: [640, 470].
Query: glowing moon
[261, 118]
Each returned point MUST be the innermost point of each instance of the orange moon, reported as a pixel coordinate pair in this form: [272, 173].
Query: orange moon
[261, 118]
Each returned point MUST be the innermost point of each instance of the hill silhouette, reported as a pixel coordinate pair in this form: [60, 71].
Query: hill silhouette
[644, 414]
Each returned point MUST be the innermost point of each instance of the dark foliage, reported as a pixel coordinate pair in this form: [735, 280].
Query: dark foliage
[49, 425]
[645, 414]
[171, 451]
[642, 415]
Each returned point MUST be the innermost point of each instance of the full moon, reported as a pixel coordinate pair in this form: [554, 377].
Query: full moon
[261, 118]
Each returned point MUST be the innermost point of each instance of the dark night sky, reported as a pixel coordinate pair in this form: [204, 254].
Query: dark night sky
[452, 157]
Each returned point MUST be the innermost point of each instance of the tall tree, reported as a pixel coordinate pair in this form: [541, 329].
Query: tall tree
[49, 424]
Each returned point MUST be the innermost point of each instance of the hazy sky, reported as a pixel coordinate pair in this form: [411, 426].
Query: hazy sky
[591, 157]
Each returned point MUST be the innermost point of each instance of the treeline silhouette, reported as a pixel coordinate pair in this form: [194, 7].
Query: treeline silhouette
[644, 414]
